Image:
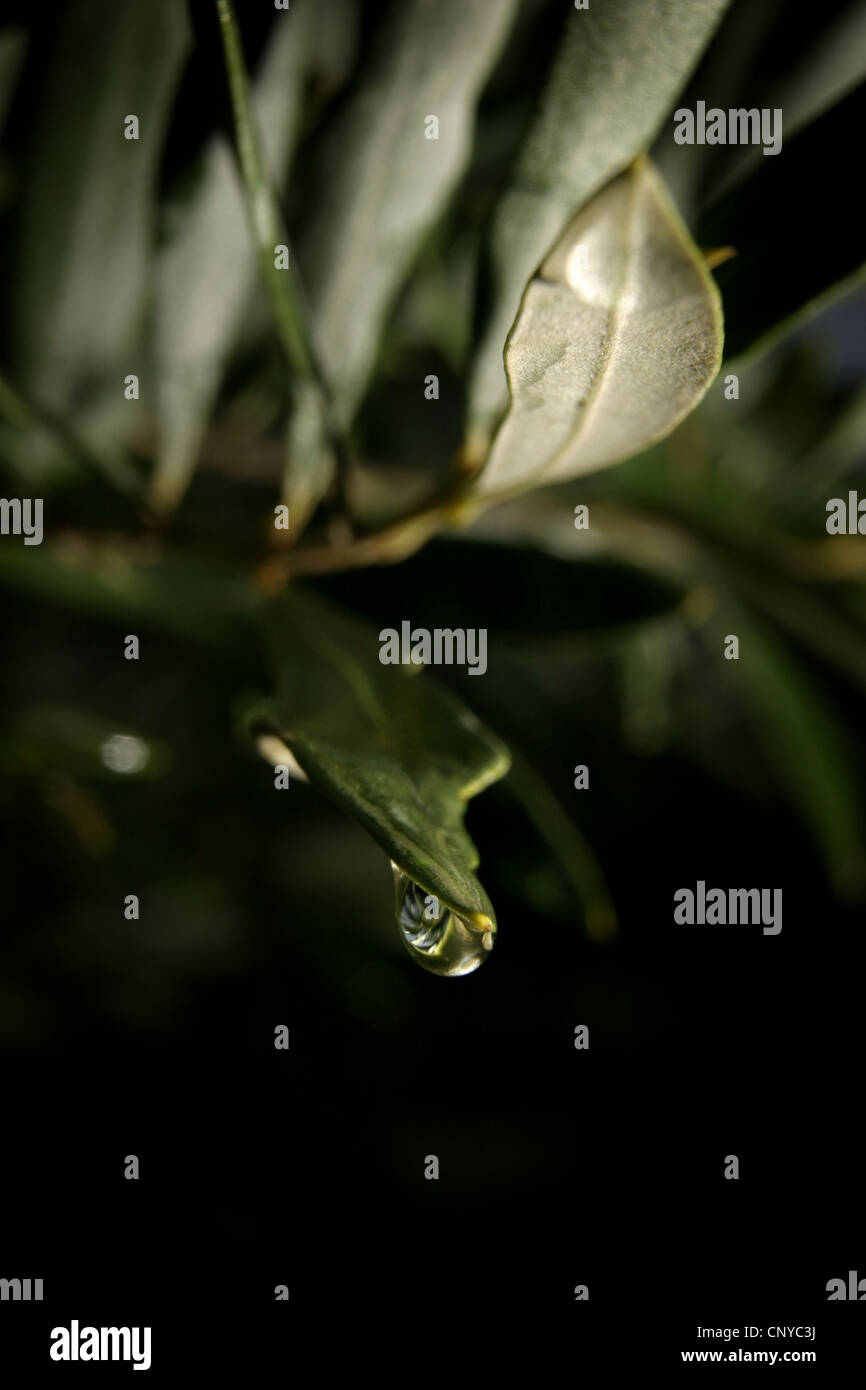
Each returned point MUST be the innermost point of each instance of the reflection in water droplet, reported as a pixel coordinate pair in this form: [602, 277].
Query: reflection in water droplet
[435, 936]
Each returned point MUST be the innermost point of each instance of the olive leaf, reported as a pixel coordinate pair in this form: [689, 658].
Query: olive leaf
[828, 62]
[206, 271]
[397, 752]
[618, 70]
[387, 175]
[618, 336]
[201, 601]
[763, 299]
[81, 253]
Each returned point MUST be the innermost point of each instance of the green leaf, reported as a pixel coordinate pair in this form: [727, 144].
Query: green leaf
[201, 601]
[384, 184]
[764, 291]
[81, 260]
[837, 453]
[319, 431]
[207, 272]
[618, 337]
[618, 70]
[398, 753]
[829, 63]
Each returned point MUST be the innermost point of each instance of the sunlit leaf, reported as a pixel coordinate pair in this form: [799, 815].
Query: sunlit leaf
[618, 70]
[618, 337]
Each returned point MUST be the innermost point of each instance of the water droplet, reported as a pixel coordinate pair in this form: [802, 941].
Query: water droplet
[437, 938]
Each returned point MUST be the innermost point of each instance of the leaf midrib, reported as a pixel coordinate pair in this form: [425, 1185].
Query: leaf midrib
[596, 390]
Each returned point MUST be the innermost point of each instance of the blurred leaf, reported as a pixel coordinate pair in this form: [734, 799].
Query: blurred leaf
[754, 562]
[396, 752]
[729, 74]
[692, 551]
[647, 662]
[832, 458]
[384, 184]
[31, 440]
[13, 46]
[318, 431]
[779, 54]
[201, 601]
[310, 459]
[206, 274]
[805, 739]
[436, 310]
[834, 62]
[618, 337]
[334, 40]
[569, 847]
[619, 67]
[81, 258]
[764, 292]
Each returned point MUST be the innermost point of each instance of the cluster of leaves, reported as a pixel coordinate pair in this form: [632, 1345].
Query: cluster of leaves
[531, 250]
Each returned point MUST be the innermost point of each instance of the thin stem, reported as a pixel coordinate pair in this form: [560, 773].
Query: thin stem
[386, 547]
[573, 852]
[269, 232]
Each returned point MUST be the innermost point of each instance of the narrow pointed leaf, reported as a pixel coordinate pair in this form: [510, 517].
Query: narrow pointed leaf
[207, 272]
[81, 259]
[766, 292]
[618, 337]
[830, 62]
[398, 753]
[385, 182]
[619, 68]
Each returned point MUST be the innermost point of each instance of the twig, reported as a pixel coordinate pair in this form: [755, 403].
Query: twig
[269, 232]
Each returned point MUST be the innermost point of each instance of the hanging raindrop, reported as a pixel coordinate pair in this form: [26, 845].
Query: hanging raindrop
[435, 936]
